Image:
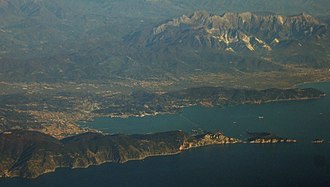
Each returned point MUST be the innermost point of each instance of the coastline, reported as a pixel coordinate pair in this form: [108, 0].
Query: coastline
[169, 153]
[125, 116]
[310, 82]
[179, 151]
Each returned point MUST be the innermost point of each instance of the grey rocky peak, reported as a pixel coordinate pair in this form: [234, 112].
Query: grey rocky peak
[236, 31]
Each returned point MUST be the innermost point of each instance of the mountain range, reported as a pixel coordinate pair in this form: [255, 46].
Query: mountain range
[54, 41]
[237, 31]
[248, 41]
[69, 61]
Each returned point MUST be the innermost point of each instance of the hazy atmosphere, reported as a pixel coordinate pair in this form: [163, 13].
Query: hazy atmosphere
[214, 93]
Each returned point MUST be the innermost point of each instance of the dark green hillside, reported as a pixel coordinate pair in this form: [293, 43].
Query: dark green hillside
[30, 154]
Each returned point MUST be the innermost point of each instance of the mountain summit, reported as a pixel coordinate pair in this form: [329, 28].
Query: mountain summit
[245, 41]
[45, 41]
[235, 31]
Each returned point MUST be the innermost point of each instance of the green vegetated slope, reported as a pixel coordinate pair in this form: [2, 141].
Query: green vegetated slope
[30, 154]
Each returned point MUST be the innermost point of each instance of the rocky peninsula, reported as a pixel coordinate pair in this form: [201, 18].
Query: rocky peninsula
[29, 154]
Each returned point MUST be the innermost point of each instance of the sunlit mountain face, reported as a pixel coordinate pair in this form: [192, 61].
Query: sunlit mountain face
[51, 41]
[83, 83]
[248, 41]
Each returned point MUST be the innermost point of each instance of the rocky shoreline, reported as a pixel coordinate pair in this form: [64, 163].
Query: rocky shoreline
[267, 138]
[29, 154]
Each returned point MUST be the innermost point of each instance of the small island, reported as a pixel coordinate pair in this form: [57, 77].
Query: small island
[318, 141]
[267, 138]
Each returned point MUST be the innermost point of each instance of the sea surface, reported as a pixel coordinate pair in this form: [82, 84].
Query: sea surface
[299, 164]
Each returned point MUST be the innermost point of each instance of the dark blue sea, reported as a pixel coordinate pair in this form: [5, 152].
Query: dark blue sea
[299, 164]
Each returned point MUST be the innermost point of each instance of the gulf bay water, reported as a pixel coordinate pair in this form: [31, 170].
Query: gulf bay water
[299, 164]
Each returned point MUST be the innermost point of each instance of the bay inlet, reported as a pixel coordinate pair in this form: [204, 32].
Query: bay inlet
[300, 164]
